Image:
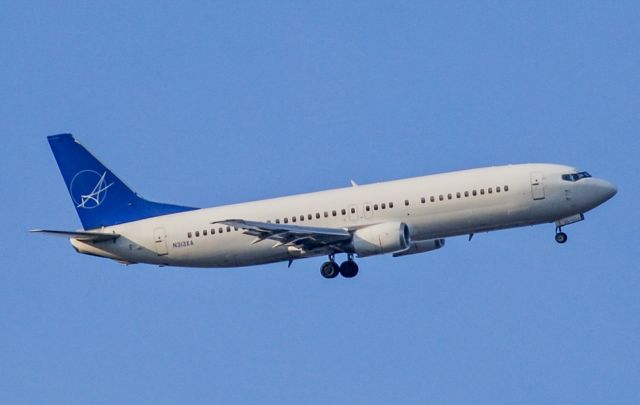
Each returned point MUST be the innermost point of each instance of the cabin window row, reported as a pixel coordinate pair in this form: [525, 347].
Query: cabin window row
[332, 213]
[212, 231]
[294, 219]
[465, 194]
[367, 207]
[376, 207]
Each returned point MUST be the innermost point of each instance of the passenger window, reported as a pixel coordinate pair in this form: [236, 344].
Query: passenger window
[204, 232]
[432, 199]
[343, 212]
[390, 205]
[375, 207]
[383, 206]
[482, 191]
[293, 219]
[466, 194]
[441, 197]
[317, 215]
[197, 233]
[474, 192]
[458, 195]
[235, 228]
[449, 196]
[213, 231]
[406, 202]
[220, 230]
[490, 190]
[498, 189]
[286, 220]
[189, 234]
[423, 200]
[367, 208]
[326, 214]
[228, 229]
[309, 217]
[506, 188]
[277, 221]
[334, 213]
[353, 210]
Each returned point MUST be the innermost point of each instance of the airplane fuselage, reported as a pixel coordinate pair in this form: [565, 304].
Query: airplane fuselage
[432, 207]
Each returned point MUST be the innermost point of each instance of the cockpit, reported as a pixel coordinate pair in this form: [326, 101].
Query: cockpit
[575, 176]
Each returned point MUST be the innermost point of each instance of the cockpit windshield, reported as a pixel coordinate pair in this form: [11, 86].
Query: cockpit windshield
[575, 176]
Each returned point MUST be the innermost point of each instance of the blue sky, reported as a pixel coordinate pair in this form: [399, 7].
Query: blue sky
[204, 103]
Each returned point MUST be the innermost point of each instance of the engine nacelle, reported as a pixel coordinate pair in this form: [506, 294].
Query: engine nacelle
[382, 238]
[421, 246]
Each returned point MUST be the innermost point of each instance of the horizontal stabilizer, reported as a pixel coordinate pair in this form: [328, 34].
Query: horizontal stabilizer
[79, 235]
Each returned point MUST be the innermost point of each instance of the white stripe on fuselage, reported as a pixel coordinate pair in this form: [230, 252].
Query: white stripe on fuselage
[428, 220]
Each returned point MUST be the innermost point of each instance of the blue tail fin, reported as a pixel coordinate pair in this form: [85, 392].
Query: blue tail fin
[100, 198]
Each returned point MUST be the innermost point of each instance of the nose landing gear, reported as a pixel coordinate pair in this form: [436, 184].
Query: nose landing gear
[330, 269]
[561, 237]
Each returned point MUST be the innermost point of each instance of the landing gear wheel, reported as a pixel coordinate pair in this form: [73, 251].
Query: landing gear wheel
[561, 237]
[349, 269]
[329, 269]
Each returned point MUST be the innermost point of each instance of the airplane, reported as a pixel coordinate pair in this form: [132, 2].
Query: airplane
[400, 217]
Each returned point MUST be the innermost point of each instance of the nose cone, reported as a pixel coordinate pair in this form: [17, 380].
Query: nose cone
[609, 190]
[606, 190]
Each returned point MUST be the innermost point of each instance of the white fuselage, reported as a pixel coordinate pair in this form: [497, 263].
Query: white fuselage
[435, 206]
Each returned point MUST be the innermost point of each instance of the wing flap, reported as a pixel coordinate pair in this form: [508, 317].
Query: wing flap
[308, 237]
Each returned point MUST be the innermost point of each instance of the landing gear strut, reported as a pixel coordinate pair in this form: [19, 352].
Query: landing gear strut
[330, 269]
[561, 237]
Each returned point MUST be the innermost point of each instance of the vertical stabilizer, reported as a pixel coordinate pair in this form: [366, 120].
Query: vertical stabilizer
[100, 198]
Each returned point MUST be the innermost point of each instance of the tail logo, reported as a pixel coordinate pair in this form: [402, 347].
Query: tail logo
[89, 189]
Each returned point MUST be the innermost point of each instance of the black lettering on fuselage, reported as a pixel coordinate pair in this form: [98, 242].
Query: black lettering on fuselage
[183, 243]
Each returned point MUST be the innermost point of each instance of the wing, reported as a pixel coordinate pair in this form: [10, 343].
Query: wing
[83, 236]
[307, 237]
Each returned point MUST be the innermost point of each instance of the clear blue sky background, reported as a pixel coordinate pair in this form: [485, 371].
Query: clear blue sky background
[207, 104]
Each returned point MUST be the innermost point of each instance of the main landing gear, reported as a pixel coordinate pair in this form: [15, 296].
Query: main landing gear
[347, 269]
[561, 237]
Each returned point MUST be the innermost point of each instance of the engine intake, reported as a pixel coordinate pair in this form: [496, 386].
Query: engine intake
[387, 237]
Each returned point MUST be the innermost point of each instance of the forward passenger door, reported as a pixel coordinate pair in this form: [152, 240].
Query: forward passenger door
[537, 186]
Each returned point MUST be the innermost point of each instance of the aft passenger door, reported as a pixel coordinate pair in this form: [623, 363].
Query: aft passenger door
[537, 186]
[160, 241]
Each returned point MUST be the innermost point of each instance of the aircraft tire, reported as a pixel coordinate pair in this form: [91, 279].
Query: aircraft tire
[349, 269]
[329, 269]
[561, 237]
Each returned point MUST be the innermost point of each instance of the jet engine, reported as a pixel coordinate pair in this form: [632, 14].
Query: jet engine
[387, 237]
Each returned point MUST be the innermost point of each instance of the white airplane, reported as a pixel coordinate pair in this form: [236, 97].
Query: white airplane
[401, 217]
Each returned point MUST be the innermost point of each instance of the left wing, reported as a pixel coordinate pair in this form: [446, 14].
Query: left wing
[307, 237]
